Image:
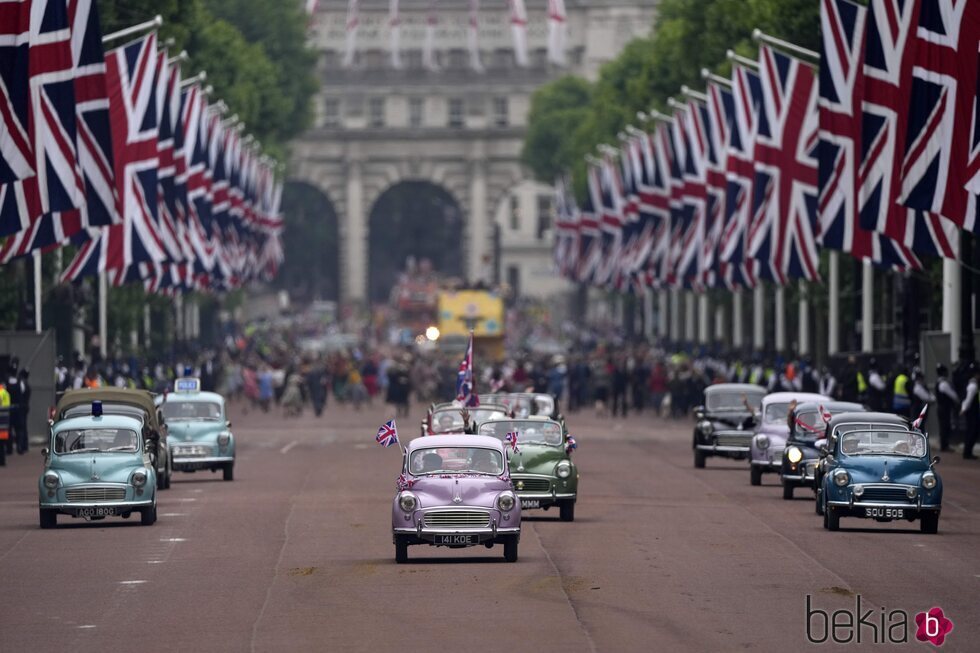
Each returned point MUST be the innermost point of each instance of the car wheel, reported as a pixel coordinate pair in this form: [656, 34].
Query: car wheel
[567, 510]
[755, 475]
[833, 519]
[818, 504]
[228, 471]
[401, 549]
[787, 491]
[163, 481]
[929, 523]
[699, 459]
[510, 549]
[148, 517]
[48, 518]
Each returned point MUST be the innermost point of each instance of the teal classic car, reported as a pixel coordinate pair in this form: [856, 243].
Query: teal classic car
[199, 429]
[541, 467]
[97, 466]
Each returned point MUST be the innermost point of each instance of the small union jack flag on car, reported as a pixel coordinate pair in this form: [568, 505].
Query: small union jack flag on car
[511, 439]
[917, 423]
[825, 414]
[387, 434]
[570, 444]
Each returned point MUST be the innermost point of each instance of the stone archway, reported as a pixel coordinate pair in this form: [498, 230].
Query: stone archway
[417, 219]
[311, 269]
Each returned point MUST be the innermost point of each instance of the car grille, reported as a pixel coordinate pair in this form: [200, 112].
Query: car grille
[533, 484]
[732, 440]
[884, 494]
[457, 519]
[95, 494]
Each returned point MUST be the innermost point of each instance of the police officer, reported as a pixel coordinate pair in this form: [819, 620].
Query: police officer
[970, 408]
[4, 428]
[946, 401]
[13, 387]
[875, 386]
[901, 402]
[24, 386]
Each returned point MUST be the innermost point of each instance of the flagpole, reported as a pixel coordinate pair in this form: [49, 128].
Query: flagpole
[37, 291]
[152, 24]
[759, 35]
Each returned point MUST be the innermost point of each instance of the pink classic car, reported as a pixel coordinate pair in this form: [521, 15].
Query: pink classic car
[455, 491]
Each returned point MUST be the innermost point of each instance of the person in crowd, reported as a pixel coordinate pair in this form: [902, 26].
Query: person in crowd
[658, 386]
[827, 385]
[901, 399]
[24, 388]
[620, 384]
[317, 384]
[876, 387]
[14, 389]
[946, 402]
[266, 390]
[919, 394]
[601, 378]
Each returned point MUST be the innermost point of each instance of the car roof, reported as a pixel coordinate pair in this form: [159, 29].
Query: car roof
[455, 440]
[868, 418]
[838, 406]
[779, 397]
[734, 387]
[140, 398]
[105, 421]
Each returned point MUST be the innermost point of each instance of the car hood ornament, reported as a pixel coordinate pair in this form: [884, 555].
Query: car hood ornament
[885, 477]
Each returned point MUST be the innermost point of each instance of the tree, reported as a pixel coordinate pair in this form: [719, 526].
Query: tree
[558, 109]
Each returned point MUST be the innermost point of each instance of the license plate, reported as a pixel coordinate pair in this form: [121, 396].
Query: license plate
[456, 540]
[95, 512]
[896, 513]
[530, 503]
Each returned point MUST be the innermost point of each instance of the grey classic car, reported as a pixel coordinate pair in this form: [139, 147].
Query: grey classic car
[724, 423]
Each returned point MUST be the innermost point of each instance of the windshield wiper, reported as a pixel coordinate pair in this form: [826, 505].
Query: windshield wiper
[88, 450]
[126, 448]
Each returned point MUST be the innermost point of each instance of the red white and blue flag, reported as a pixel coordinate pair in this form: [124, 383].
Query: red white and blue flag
[570, 444]
[918, 421]
[465, 390]
[654, 209]
[387, 434]
[511, 439]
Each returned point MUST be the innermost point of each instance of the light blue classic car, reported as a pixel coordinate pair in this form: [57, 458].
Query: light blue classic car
[882, 474]
[199, 429]
[97, 466]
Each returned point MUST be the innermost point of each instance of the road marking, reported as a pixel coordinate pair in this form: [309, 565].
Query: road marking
[155, 562]
[173, 514]
[131, 582]
[187, 499]
[361, 446]
[173, 539]
[956, 505]
[920, 545]
[87, 626]
[288, 447]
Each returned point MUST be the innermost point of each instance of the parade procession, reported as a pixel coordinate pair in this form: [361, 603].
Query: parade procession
[551, 325]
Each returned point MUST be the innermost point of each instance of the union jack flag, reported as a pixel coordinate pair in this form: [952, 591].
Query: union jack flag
[884, 127]
[918, 421]
[404, 483]
[654, 194]
[570, 444]
[590, 241]
[784, 205]
[738, 269]
[690, 142]
[941, 158]
[465, 392]
[566, 223]
[50, 146]
[612, 217]
[387, 434]
[511, 439]
[824, 414]
[841, 95]
[719, 114]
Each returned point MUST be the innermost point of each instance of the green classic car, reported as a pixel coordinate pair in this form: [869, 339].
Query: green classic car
[541, 467]
[200, 432]
[98, 466]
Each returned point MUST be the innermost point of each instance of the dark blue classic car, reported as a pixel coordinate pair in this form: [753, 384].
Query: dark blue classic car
[807, 432]
[882, 474]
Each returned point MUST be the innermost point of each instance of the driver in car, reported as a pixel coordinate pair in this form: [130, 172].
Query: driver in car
[483, 462]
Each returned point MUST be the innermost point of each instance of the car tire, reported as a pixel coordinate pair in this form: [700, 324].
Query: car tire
[929, 523]
[228, 472]
[566, 510]
[48, 518]
[401, 549]
[832, 518]
[818, 504]
[755, 475]
[787, 491]
[699, 459]
[510, 549]
[148, 517]
[163, 481]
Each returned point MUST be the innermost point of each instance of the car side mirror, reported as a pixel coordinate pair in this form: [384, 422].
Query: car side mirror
[45, 452]
[228, 423]
[699, 413]
[935, 461]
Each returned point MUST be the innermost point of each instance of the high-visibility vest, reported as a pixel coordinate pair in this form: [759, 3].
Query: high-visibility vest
[862, 384]
[901, 386]
[4, 403]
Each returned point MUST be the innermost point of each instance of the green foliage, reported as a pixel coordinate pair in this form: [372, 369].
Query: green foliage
[688, 35]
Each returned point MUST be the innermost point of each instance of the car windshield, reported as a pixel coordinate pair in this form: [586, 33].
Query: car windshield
[528, 431]
[447, 421]
[777, 412]
[456, 460]
[883, 443]
[191, 410]
[544, 404]
[478, 415]
[89, 440]
[521, 407]
[732, 401]
[809, 425]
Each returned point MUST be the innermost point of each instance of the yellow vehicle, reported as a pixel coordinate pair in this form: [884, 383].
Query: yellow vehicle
[480, 311]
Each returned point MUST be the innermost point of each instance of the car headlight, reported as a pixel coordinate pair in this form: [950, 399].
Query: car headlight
[858, 491]
[928, 480]
[705, 427]
[841, 478]
[762, 441]
[506, 501]
[139, 478]
[794, 454]
[407, 502]
[224, 439]
[564, 469]
[51, 480]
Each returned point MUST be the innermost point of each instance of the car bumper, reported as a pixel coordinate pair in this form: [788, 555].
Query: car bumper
[457, 537]
[862, 508]
[768, 465]
[530, 500]
[720, 449]
[120, 506]
[184, 464]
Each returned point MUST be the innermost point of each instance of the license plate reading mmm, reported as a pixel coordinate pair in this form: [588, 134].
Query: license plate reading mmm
[896, 513]
[456, 539]
[95, 512]
[530, 503]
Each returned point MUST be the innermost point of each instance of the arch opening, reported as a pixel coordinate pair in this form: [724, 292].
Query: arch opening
[311, 241]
